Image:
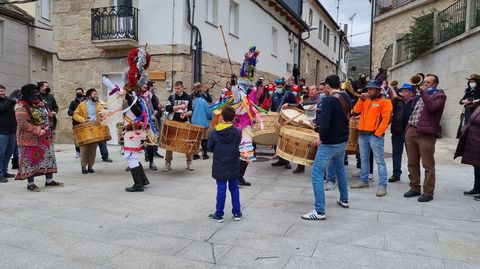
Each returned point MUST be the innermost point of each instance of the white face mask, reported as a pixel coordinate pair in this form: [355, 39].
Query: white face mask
[472, 84]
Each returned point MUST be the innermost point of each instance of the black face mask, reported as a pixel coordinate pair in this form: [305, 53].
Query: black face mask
[79, 95]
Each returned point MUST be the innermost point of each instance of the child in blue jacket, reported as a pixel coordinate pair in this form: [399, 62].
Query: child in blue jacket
[224, 142]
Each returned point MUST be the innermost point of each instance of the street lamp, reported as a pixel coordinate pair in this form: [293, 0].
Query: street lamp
[351, 30]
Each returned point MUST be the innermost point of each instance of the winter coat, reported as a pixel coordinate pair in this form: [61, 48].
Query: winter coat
[332, 123]
[469, 143]
[278, 100]
[429, 121]
[375, 115]
[224, 142]
[73, 105]
[8, 123]
[401, 114]
[175, 100]
[81, 115]
[201, 112]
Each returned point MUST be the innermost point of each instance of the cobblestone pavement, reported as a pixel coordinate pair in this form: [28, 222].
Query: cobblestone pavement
[93, 223]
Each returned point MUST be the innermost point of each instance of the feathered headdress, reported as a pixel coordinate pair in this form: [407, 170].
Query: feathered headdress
[135, 75]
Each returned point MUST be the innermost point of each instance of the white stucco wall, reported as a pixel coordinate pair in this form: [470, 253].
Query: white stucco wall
[255, 27]
[452, 63]
[14, 62]
[314, 39]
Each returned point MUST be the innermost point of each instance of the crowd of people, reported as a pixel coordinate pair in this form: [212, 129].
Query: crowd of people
[411, 111]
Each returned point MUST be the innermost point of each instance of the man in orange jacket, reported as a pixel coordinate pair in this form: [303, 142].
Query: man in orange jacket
[375, 113]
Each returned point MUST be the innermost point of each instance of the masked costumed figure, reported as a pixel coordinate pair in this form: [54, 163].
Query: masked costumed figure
[35, 139]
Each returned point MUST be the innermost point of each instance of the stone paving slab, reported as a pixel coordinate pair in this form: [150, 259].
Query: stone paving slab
[93, 223]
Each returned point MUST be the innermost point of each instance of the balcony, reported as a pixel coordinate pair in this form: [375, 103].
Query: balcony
[384, 6]
[115, 27]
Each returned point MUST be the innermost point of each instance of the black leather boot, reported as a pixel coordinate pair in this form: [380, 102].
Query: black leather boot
[84, 170]
[145, 181]
[14, 163]
[243, 168]
[137, 179]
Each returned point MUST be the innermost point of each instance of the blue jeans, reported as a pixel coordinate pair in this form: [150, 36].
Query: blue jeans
[397, 150]
[328, 153]
[222, 194]
[331, 173]
[7, 146]
[103, 150]
[367, 142]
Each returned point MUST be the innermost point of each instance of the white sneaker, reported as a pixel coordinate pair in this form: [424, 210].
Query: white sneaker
[329, 186]
[167, 167]
[313, 215]
[370, 177]
[189, 166]
[356, 174]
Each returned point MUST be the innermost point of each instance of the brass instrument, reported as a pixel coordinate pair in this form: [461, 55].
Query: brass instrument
[417, 79]
[394, 84]
[347, 86]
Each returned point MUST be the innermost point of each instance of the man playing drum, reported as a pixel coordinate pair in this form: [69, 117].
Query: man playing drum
[179, 106]
[88, 111]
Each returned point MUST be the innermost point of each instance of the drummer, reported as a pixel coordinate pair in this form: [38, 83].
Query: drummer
[88, 111]
[279, 98]
[179, 106]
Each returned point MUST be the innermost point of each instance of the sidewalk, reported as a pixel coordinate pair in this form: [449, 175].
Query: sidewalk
[93, 223]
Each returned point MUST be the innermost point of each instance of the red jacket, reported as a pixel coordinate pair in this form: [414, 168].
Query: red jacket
[429, 121]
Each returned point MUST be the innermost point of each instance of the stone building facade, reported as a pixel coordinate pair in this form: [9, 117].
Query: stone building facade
[81, 61]
[392, 19]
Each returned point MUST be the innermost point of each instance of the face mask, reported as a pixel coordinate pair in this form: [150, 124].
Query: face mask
[79, 95]
[431, 90]
[279, 90]
[270, 92]
[323, 95]
[472, 85]
[295, 93]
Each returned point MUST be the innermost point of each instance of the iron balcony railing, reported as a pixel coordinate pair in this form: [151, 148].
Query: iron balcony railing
[383, 6]
[452, 21]
[116, 22]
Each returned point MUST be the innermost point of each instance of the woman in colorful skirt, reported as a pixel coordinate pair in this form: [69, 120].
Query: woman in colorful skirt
[35, 139]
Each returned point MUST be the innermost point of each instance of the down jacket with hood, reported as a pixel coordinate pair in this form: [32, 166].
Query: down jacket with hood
[224, 142]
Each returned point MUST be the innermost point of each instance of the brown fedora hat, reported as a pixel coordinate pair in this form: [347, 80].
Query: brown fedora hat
[474, 77]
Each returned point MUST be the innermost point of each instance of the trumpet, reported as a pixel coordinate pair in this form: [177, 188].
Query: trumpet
[394, 84]
[347, 86]
[417, 79]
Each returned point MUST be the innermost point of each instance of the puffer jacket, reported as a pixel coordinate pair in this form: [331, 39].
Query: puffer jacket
[375, 115]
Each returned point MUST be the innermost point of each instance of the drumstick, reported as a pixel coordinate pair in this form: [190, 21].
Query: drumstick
[290, 120]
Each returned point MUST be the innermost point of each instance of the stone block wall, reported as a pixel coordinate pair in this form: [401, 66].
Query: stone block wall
[326, 67]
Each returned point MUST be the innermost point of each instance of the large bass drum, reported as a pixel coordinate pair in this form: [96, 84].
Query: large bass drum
[182, 137]
[91, 132]
[295, 144]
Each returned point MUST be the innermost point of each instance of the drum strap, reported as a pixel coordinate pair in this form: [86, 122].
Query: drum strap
[343, 103]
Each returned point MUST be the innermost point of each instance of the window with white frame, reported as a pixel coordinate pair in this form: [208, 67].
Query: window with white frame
[234, 18]
[212, 11]
[335, 44]
[324, 34]
[274, 41]
[45, 9]
[310, 17]
[328, 37]
[44, 63]
[320, 25]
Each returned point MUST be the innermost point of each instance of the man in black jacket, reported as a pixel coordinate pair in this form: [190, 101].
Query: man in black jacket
[8, 126]
[49, 101]
[402, 109]
[73, 105]
[333, 128]
[179, 106]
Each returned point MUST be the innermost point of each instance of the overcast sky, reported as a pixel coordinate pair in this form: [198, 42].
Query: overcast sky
[361, 22]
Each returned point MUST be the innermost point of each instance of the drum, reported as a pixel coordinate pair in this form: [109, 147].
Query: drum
[352, 144]
[295, 144]
[91, 132]
[266, 132]
[294, 116]
[181, 137]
